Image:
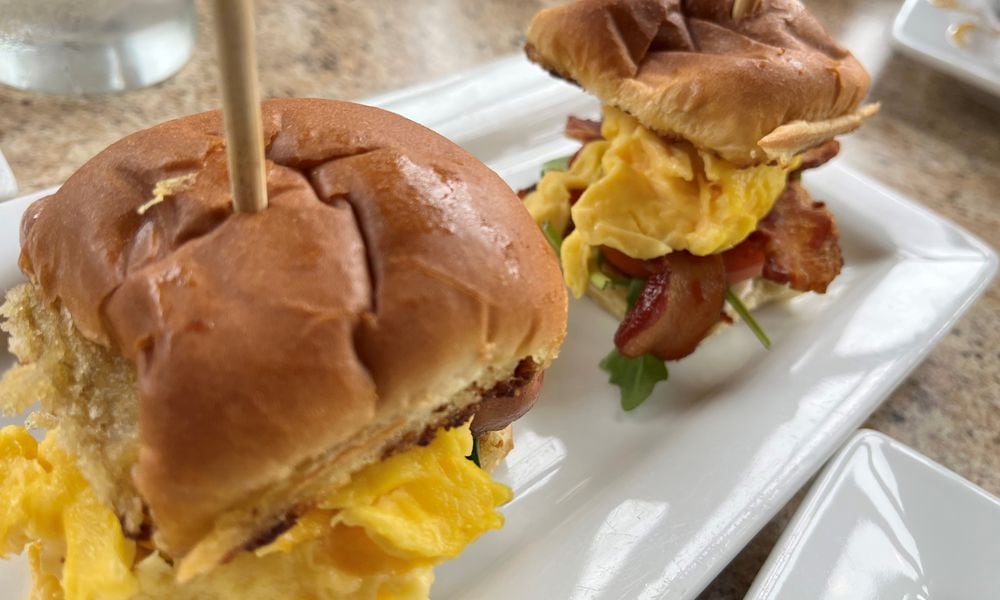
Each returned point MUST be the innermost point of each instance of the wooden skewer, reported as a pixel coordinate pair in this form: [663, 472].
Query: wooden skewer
[241, 103]
[744, 8]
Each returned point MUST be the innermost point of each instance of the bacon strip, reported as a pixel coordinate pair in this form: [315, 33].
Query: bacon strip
[676, 308]
[583, 130]
[800, 238]
[509, 400]
[819, 155]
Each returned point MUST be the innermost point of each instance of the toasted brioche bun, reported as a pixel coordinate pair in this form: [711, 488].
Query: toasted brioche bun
[752, 89]
[257, 360]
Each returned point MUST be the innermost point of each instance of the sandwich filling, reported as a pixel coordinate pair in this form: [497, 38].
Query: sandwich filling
[666, 234]
[376, 537]
[647, 196]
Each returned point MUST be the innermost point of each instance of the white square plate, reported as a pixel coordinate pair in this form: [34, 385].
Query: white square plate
[653, 503]
[886, 522]
[8, 187]
[921, 30]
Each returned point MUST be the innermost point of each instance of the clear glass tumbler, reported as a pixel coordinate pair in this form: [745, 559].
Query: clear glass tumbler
[93, 46]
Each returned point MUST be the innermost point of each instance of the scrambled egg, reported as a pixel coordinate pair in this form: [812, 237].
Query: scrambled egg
[47, 505]
[376, 538]
[647, 196]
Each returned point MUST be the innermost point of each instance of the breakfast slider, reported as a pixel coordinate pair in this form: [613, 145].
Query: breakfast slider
[686, 194]
[280, 404]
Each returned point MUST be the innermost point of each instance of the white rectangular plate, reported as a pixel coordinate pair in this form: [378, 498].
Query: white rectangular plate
[653, 503]
[8, 186]
[886, 522]
[921, 30]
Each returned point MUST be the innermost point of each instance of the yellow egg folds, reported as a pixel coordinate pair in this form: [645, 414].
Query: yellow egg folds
[428, 503]
[378, 537]
[647, 196]
[49, 506]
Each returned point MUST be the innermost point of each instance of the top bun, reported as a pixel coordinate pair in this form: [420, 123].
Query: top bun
[392, 278]
[755, 88]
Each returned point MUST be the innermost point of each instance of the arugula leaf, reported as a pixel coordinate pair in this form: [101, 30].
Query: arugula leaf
[556, 164]
[744, 313]
[474, 457]
[636, 377]
[635, 286]
[555, 240]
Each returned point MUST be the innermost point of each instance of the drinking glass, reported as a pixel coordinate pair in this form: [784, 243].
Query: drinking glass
[93, 46]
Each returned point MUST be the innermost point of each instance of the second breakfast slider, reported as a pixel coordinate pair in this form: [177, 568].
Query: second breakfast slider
[687, 193]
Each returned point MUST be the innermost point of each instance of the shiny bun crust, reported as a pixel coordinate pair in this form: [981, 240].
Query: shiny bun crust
[392, 279]
[692, 71]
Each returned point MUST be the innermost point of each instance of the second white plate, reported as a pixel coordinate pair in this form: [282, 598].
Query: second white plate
[886, 522]
[922, 31]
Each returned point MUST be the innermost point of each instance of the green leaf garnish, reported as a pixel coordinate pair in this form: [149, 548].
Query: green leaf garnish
[744, 314]
[474, 457]
[555, 240]
[635, 377]
[556, 164]
[634, 289]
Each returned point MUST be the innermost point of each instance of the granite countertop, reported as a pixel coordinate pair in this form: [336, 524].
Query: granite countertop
[936, 140]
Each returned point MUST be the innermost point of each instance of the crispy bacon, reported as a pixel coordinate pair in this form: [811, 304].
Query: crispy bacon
[509, 400]
[818, 155]
[677, 307]
[800, 242]
[583, 130]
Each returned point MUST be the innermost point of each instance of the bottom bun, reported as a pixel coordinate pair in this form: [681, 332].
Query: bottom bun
[494, 446]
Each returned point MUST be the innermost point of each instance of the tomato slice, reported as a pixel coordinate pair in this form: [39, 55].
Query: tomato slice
[745, 260]
[633, 267]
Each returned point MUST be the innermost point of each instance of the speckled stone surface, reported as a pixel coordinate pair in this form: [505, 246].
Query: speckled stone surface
[937, 140]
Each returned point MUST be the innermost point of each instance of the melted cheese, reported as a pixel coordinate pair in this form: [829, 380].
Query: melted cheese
[376, 538]
[647, 196]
